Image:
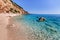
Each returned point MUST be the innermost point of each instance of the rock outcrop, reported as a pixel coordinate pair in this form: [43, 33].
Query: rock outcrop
[41, 19]
[8, 6]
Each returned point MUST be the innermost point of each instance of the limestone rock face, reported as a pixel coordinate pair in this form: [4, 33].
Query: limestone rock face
[8, 6]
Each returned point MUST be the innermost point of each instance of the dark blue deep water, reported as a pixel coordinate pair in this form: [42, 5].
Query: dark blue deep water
[47, 30]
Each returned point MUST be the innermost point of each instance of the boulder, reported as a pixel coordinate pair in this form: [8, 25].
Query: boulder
[42, 19]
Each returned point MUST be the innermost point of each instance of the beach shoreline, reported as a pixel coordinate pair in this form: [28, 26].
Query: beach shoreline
[9, 29]
[4, 21]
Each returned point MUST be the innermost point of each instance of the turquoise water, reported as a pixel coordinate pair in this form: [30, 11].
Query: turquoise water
[47, 30]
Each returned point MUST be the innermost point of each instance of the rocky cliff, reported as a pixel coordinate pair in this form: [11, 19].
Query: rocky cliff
[8, 6]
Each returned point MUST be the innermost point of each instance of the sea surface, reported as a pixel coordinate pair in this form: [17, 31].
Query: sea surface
[36, 30]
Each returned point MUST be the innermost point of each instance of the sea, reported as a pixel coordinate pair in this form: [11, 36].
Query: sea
[37, 30]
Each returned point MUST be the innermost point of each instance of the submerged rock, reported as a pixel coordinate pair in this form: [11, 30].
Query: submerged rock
[42, 19]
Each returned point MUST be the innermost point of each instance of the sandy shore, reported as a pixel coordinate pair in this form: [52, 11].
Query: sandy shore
[3, 24]
[9, 30]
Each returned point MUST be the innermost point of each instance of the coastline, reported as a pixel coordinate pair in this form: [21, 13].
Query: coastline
[9, 14]
[26, 28]
[4, 21]
[9, 29]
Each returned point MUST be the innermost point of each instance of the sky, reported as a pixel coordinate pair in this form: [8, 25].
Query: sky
[40, 6]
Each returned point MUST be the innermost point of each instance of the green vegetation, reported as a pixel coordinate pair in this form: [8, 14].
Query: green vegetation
[14, 10]
[11, 9]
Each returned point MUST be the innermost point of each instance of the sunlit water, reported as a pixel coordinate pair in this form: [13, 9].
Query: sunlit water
[47, 30]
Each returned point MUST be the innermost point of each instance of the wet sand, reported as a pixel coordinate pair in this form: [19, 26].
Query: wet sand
[10, 30]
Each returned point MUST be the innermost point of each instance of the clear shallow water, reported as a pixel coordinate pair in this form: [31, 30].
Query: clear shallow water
[47, 30]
